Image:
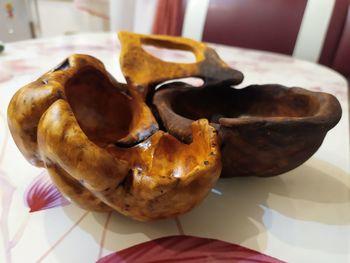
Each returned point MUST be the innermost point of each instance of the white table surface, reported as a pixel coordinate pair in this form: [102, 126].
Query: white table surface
[300, 216]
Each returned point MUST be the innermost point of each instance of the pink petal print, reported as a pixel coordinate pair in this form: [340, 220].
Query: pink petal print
[42, 194]
[4, 76]
[187, 249]
[19, 66]
[65, 234]
[74, 48]
[6, 195]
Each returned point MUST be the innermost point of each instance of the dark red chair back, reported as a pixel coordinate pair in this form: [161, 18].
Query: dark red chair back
[341, 61]
[271, 25]
[334, 32]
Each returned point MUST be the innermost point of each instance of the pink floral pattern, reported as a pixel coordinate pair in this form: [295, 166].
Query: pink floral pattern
[22, 62]
[187, 249]
[43, 194]
[4, 76]
[74, 48]
[19, 66]
[6, 195]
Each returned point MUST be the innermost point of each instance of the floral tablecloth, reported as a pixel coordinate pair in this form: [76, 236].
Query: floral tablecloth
[300, 216]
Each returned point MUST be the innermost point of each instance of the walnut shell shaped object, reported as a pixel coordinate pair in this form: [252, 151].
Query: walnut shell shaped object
[264, 130]
[74, 120]
[152, 154]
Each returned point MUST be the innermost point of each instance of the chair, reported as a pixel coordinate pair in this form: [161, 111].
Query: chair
[307, 29]
[334, 33]
[271, 25]
[341, 60]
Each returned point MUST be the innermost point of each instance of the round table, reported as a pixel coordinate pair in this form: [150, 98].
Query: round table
[299, 216]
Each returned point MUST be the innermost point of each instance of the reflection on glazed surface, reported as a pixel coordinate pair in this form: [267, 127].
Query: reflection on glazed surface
[101, 144]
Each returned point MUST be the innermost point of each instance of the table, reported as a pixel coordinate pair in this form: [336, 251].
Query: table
[300, 216]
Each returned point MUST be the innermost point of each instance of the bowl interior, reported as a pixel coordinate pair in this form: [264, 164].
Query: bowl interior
[101, 109]
[253, 101]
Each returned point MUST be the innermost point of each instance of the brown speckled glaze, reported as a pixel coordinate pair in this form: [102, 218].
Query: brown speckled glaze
[75, 119]
[144, 71]
[105, 150]
[264, 130]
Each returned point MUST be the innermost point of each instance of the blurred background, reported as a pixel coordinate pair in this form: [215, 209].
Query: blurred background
[314, 30]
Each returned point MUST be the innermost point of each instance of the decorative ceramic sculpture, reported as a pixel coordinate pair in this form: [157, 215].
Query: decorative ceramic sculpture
[144, 71]
[264, 130]
[101, 143]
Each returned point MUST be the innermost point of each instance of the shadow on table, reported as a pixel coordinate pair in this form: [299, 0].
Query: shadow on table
[242, 210]
[285, 206]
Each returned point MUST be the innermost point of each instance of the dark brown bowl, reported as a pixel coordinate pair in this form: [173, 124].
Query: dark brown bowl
[265, 130]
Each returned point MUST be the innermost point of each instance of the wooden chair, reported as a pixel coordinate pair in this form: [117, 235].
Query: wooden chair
[307, 29]
[341, 60]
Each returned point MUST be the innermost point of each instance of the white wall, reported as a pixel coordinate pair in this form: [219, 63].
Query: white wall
[59, 17]
[132, 15]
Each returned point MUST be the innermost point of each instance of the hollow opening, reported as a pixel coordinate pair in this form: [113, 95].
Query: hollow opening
[193, 81]
[103, 112]
[168, 51]
[254, 101]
